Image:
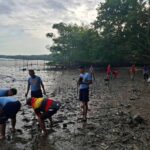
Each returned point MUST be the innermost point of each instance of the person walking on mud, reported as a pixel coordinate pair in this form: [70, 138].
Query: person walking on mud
[8, 109]
[36, 83]
[84, 81]
[44, 108]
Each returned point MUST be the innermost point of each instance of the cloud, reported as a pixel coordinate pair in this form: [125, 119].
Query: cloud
[6, 7]
[34, 18]
[55, 5]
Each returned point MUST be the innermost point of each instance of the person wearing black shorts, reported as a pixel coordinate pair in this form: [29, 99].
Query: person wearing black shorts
[8, 109]
[35, 82]
[84, 80]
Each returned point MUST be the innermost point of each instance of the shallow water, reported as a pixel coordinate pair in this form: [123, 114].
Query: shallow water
[108, 126]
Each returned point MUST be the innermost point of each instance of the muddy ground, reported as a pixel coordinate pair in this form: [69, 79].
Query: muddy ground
[118, 118]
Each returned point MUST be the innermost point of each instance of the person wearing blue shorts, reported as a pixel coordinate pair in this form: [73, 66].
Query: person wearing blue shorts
[84, 81]
[8, 109]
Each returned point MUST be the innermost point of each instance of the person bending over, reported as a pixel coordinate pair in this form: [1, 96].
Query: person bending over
[8, 109]
[44, 108]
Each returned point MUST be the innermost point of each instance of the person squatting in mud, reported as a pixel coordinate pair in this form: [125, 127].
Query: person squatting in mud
[84, 81]
[8, 109]
[44, 108]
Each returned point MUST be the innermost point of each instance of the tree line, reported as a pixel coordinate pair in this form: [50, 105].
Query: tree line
[120, 35]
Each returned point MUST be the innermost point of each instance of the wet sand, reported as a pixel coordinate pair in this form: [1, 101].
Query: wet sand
[111, 123]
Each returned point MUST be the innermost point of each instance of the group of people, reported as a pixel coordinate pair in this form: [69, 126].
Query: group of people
[86, 78]
[110, 71]
[132, 72]
[44, 108]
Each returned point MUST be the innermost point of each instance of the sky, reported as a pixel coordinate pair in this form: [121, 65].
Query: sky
[24, 23]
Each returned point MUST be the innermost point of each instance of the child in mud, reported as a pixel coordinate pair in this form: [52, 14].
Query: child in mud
[36, 83]
[84, 81]
[44, 108]
[8, 109]
[7, 92]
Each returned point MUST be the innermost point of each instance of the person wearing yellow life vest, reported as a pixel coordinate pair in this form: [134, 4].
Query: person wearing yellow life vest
[44, 108]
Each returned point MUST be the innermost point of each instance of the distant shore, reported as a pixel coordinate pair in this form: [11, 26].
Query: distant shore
[26, 57]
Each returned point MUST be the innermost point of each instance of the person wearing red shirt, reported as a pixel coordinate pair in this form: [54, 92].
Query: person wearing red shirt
[44, 108]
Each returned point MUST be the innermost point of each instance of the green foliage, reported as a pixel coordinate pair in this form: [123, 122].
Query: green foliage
[119, 35]
[74, 44]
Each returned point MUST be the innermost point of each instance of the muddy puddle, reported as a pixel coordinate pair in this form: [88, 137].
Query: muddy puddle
[118, 118]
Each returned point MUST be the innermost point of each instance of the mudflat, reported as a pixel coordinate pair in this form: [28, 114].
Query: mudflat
[118, 116]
